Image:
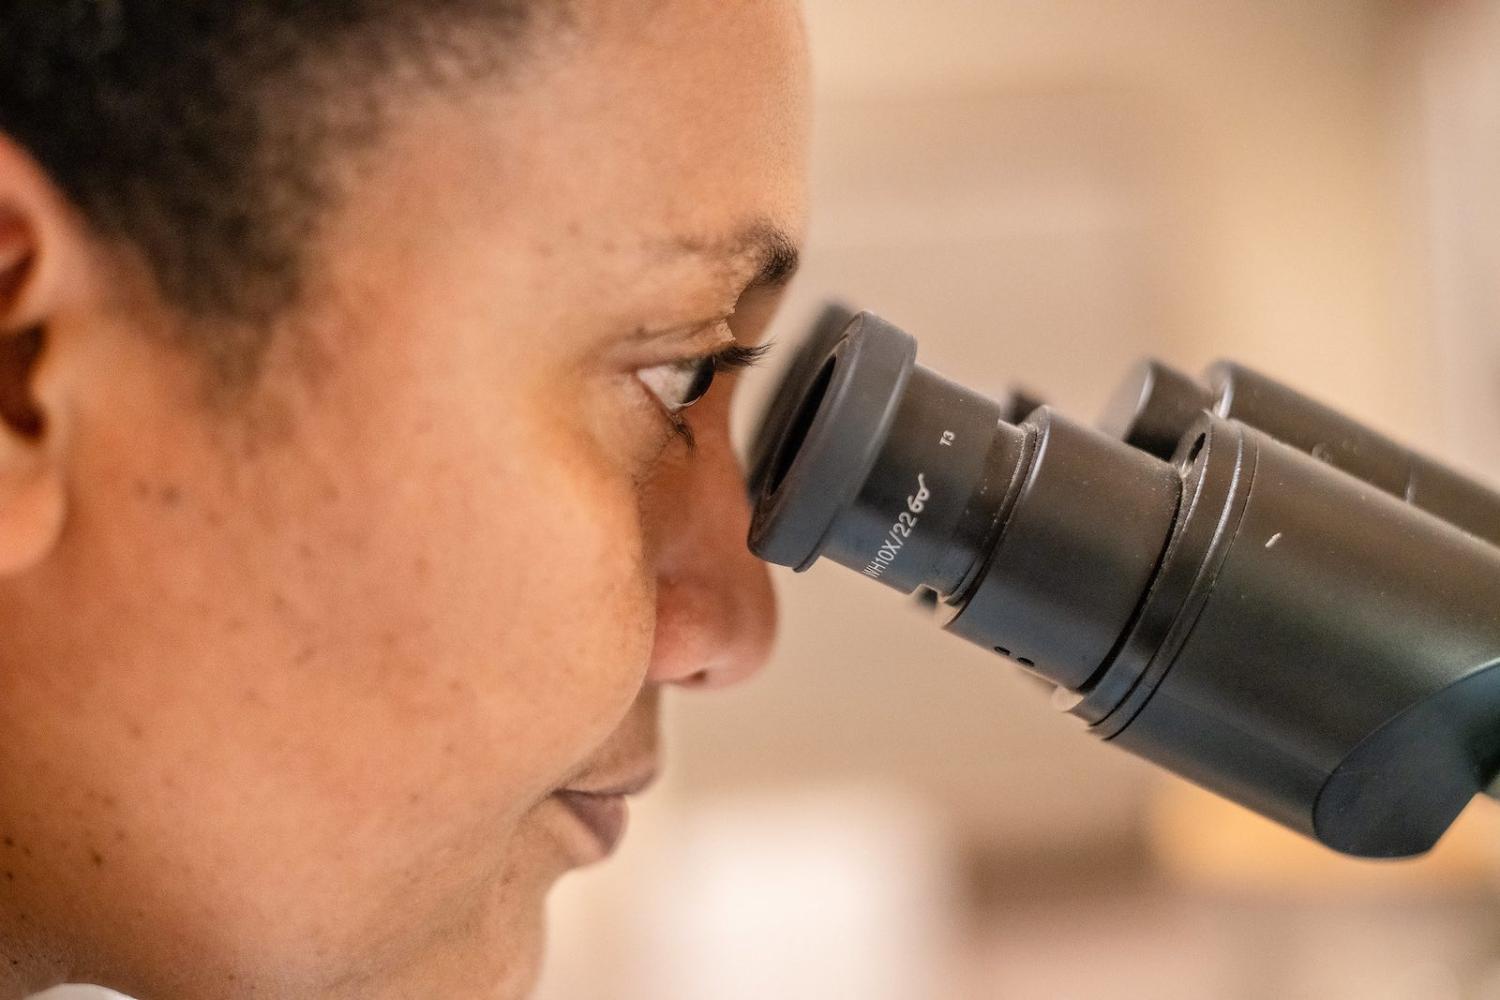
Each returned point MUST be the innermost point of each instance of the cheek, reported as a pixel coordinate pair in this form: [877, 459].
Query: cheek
[383, 648]
[579, 598]
[339, 666]
[517, 575]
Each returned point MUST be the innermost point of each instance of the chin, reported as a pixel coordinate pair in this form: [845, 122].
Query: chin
[500, 960]
[515, 937]
[492, 948]
[519, 980]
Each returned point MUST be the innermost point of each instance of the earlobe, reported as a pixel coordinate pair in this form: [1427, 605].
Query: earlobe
[33, 499]
[33, 505]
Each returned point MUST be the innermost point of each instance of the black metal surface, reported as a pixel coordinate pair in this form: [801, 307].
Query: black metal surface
[1290, 623]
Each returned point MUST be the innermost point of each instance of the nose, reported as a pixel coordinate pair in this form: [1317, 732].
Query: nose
[715, 609]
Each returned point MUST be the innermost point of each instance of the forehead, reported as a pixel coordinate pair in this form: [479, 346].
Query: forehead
[631, 168]
[670, 133]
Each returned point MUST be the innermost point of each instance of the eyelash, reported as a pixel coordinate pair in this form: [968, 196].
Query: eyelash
[735, 358]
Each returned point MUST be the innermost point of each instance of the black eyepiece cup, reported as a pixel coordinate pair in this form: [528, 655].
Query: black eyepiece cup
[829, 440]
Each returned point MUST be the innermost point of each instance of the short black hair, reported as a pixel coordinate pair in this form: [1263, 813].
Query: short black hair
[198, 131]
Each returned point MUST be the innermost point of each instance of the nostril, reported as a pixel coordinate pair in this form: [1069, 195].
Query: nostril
[715, 619]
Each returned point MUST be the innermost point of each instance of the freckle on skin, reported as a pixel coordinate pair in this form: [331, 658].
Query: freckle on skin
[170, 495]
[97, 858]
[10, 841]
[135, 731]
[305, 655]
[10, 876]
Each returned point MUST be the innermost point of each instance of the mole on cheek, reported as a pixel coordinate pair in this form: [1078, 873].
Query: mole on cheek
[167, 494]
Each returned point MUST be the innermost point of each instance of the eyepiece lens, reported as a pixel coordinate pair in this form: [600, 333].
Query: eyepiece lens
[801, 423]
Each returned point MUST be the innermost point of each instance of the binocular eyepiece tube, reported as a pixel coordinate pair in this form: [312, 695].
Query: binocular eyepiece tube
[1233, 581]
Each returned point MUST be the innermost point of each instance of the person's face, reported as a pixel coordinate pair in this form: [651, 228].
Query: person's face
[289, 699]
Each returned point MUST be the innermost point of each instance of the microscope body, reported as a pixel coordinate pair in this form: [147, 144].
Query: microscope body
[1311, 647]
[1306, 621]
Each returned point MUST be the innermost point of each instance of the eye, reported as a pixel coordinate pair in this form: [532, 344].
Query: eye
[677, 385]
[680, 384]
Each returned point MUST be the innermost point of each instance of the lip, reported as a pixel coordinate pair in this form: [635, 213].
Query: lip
[603, 816]
[616, 787]
[602, 807]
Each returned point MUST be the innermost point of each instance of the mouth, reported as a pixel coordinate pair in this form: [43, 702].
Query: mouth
[603, 809]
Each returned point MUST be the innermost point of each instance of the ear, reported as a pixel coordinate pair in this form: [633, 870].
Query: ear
[35, 223]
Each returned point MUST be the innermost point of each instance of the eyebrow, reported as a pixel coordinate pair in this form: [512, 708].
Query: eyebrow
[772, 252]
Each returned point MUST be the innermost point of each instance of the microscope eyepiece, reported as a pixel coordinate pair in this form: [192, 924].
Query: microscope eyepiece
[1232, 605]
[885, 467]
[831, 436]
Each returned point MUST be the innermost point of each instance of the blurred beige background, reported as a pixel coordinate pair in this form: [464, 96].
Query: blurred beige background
[1044, 192]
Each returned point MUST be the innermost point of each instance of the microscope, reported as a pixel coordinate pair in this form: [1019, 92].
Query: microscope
[1222, 576]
